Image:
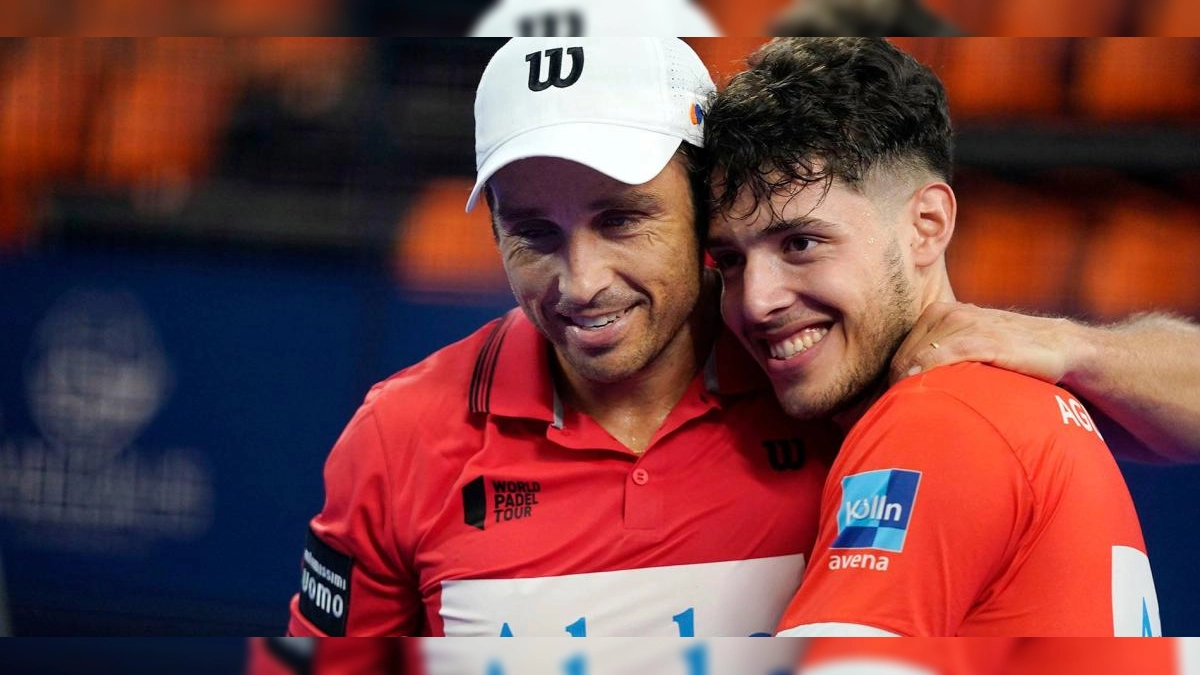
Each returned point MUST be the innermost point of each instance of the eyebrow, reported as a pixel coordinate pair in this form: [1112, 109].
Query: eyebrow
[787, 225]
[631, 200]
[514, 214]
[776, 227]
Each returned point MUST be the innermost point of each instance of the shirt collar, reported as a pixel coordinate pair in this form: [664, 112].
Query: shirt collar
[512, 376]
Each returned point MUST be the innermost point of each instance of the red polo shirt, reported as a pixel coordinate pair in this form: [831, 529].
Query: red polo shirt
[464, 499]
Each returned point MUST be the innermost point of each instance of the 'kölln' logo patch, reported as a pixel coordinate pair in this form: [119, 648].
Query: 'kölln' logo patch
[876, 509]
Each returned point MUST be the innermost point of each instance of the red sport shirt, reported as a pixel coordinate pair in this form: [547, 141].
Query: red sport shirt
[974, 501]
[464, 499]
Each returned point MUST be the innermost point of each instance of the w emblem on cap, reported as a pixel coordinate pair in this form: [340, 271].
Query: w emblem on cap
[555, 78]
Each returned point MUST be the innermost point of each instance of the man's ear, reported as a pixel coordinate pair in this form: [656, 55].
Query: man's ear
[933, 210]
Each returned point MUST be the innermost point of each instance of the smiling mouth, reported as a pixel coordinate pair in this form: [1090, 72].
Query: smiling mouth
[782, 350]
[594, 322]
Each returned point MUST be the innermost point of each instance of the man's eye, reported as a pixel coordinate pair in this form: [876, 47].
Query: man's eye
[533, 232]
[618, 220]
[798, 244]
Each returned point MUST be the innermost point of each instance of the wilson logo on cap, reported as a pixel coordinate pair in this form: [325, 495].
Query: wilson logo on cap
[555, 78]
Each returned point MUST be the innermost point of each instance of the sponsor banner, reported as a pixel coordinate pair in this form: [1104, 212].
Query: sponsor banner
[735, 598]
[610, 656]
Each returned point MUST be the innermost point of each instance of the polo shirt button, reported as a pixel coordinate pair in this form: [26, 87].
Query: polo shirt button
[641, 476]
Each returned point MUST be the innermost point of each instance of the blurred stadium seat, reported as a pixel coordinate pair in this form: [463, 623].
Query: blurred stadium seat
[1014, 247]
[440, 247]
[101, 18]
[163, 115]
[928, 50]
[1139, 79]
[994, 78]
[48, 91]
[1169, 18]
[1058, 18]
[268, 17]
[970, 16]
[1144, 255]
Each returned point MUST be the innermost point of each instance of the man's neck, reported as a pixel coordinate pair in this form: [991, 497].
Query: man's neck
[853, 410]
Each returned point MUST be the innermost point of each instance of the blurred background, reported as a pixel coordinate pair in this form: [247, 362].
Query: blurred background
[211, 248]
[1030, 18]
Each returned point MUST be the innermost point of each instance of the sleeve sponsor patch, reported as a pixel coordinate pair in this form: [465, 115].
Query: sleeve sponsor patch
[325, 586]
[876, 508]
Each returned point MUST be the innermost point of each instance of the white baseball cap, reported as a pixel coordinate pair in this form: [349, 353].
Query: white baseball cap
[618, 105]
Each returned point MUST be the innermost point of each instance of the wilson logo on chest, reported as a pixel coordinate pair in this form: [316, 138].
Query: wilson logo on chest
[785, 454]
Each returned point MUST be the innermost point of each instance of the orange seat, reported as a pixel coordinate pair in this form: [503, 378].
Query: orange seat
[164, 116]
[1144, 256]
[102, 18]
[440, 247]
[46, 96]
[266, 17]
[1056, 18]
[1001, 77]
[969, 16]
[1013, 247]
[1170, 18]
[1135, 79]
[44, 106]
[932, 52]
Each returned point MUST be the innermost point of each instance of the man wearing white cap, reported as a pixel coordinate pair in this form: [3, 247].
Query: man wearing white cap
[604, 460]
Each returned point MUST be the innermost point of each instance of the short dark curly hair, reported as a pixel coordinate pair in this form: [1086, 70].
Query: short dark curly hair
[812, 110]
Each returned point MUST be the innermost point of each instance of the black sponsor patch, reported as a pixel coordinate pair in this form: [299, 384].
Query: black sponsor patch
[325, 586]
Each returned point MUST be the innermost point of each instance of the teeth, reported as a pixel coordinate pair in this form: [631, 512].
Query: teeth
[595, 321]
[796, 344]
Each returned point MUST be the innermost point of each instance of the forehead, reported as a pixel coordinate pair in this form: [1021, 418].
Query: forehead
[535, 175]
